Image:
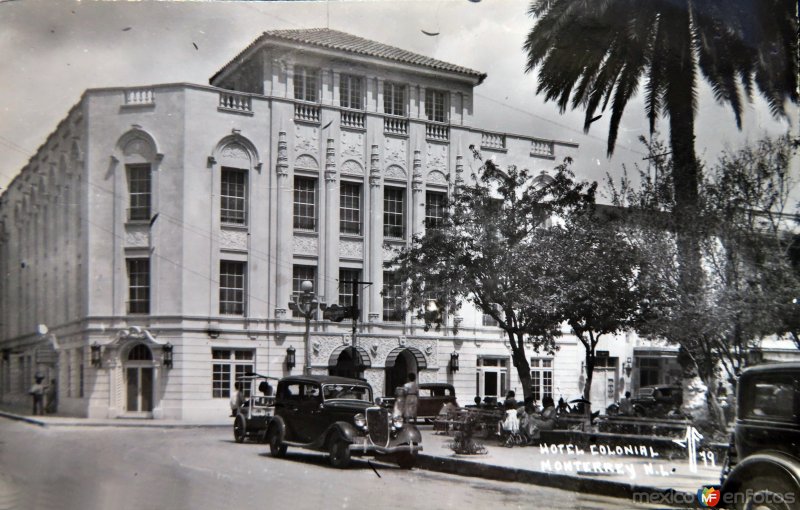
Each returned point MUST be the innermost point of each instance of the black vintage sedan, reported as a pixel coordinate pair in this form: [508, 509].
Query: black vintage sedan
[337, 415]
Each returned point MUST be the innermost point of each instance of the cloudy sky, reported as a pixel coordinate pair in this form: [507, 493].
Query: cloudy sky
[52, 50]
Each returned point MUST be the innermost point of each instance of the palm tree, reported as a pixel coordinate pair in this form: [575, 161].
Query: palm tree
[597, 52]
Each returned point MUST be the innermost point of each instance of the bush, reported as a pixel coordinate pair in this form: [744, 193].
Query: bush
[464, 442]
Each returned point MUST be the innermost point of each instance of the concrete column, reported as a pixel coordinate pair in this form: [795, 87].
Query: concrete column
[375, 243]
[417, 197]
[284, 228]
[330, 275]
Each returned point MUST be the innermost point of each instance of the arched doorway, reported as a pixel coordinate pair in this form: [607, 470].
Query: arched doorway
[139, 380]
[348, 361]
[399, 363]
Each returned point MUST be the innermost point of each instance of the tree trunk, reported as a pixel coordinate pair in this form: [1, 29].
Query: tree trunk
[587, 388]
[520, 360]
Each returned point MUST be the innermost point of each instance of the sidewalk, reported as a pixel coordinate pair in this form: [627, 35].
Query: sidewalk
[600, 470]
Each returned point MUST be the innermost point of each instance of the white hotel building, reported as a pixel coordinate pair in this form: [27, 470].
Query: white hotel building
[160, 232]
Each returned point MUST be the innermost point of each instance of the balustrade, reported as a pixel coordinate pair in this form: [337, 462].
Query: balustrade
[437, 132]
[493, 141]
[395, 126]
[139, 96]
[351, 119]
[541, 148]
[306, 112]
[235, 102]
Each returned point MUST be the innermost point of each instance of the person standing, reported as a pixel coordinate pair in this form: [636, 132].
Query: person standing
[626, 405]
[37, 392]
[236, 398]
[411, 389]
[52, 397]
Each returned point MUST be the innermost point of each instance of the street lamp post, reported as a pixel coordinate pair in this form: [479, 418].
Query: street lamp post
[306, 305]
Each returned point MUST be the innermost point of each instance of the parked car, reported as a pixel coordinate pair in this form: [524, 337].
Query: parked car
[658, 401]
[337, 415]
[432, 397]
[257, 409]
[763, 470]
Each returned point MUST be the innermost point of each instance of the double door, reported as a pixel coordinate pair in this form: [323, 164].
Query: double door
[139, 388]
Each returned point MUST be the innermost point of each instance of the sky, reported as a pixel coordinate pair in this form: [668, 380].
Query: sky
[53, 50]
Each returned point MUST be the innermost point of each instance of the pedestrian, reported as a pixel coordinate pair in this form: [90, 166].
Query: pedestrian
[52, 398]
[510, 401]
[236, 398]
[412, 396]
[37, 392]
[626, 405]
[477, 401]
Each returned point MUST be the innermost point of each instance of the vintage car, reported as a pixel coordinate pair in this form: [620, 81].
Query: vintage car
[257, 409]
[432, 397]
[658, 401]
[764, 457]
[337, 415]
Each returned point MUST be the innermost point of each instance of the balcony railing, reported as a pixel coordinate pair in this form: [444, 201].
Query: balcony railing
[542, 148]
[235, 102]
[438, 132]
[493, 141]
[139, 96]
[352, 119]
[306, 112]
[395, 126]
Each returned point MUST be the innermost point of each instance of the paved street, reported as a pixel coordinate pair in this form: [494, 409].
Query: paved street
[200, 468]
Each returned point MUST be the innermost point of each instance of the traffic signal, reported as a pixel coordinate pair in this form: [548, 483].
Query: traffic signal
[336, 313]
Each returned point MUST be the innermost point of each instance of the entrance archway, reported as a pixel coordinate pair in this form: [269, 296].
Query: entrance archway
[348, 361]
[399, 363]
[139, 380]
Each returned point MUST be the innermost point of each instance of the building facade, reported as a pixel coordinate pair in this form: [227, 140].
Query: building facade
[152, 245]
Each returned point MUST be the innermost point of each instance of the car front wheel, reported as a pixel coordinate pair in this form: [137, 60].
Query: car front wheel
[239, 427]
[339, 451]
[768, 493]
[276, 449]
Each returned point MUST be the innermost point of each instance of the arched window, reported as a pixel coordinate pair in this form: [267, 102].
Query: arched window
[140, 353]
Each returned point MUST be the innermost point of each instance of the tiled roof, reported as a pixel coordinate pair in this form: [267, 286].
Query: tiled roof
[333, 39]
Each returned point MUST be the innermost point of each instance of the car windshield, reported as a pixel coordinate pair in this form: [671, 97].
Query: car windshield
[347, 391]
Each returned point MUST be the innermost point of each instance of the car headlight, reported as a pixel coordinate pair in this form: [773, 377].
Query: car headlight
[360, 420]
[397, 422]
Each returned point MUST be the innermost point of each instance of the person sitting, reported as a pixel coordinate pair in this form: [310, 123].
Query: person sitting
[477, 401]
[545, 421]
[626, 405]
[510, 401]
[562, 408]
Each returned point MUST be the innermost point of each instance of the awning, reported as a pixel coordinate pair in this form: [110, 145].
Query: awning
[392, 357]
[359, 354]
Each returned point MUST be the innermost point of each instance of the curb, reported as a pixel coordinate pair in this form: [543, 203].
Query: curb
[555, 480]
[17, 417]
[83, 422]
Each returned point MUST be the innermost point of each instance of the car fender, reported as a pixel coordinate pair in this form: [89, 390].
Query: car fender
[341, 429]
[409, 434]
[767, 463]
[278, 422]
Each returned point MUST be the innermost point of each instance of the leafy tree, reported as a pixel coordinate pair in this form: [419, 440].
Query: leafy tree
[488, 252]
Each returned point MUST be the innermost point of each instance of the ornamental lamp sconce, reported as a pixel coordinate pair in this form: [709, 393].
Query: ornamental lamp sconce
[290, 359]
[454, 362]
[168, 355]
[96, 355]
[213, 333]
[628, 367]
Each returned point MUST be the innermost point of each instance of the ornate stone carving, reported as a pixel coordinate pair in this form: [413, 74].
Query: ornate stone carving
[389, 251]
[330, 161]
[234, 151]
[352, 167]
[437, 177]
[137, 236]
[323, 346]
[138, 146]
[306, 139]
[395, 151]
[376, 378]
[379, 348]
[374, 167]
[395, 172]
[233, 239]
[306, 161]
[351, 249]
[306, 245]
[437, 157]
[352, 144]
[282, 165]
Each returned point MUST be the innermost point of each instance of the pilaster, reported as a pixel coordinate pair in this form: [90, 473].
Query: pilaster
[376, 231]
[417, 197]
[330, 274]
[284, 227]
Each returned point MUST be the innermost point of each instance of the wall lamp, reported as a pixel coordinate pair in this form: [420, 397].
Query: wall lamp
[96, 355]
[454, 362]
[213, 333]
[290, 359]
[628, 367]
[168, 355]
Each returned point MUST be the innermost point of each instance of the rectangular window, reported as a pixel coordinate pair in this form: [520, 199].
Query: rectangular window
[492, 377]
[305, 84]
[228, 366]
[350, 95]
[435, 207]
[770, 398]
[346, 277]
[392, 297]
[138, 285]
[305, 203]
[350, 208]
[393, 212]
[233, 196]
[231, 287]
[649, 368]
[489, 321]
[139, 192]
[394, 99]
[434, 105]
[301, 274]
[541, 377]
